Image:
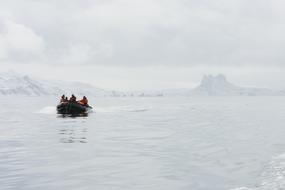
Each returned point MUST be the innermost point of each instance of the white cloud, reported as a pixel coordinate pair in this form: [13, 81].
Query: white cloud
[151, 32]
[19, 43]
[125, 36]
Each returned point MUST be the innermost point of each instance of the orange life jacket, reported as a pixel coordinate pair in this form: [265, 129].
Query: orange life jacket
[84, 101]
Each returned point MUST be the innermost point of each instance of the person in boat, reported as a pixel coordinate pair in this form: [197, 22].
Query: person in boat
[83, 101]
[72, 98]
[62, 98]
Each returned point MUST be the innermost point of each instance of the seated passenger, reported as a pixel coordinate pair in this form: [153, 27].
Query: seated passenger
[72, 98]
[62, 98]
[83, 101]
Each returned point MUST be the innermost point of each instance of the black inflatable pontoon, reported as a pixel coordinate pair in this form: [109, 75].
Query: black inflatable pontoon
[72, 108]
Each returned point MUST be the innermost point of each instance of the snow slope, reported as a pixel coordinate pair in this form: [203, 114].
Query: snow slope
[12, 83]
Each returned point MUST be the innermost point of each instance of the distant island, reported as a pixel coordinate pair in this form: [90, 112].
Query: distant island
[12, 83]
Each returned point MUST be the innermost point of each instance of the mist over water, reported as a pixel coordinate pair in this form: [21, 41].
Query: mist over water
[214, 143]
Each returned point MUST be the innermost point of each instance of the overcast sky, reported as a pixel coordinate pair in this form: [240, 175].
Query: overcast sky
[145, 44]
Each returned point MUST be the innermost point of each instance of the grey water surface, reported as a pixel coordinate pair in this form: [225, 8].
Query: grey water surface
[201, 143]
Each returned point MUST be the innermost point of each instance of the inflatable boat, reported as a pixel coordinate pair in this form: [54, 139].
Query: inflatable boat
[72, 108]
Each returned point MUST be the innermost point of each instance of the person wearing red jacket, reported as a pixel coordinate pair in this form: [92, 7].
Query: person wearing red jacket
[83, 101]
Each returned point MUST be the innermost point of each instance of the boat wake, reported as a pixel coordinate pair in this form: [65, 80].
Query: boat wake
[114, 109]
[47, 110]
[273, 177]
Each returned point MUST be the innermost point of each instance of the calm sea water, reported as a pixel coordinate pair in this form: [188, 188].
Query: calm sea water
[205, 143]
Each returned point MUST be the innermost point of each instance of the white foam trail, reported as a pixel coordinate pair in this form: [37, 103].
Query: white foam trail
[113, 109]
[136, 109]
[273, 177]
[242, 188]
[47, 110]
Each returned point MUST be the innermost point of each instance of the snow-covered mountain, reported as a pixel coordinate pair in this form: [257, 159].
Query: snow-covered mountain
[15, 84]
[219, 86]
[215, 86]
